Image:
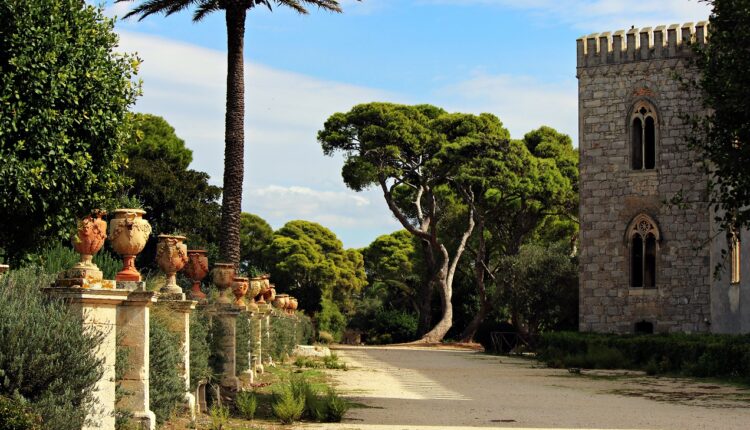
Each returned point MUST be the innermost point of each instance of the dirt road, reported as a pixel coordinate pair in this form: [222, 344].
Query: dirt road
[438, 389]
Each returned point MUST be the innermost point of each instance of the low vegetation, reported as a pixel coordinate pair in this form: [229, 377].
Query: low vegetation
[698, 355]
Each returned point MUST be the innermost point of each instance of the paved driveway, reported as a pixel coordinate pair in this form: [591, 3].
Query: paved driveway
[439, 389]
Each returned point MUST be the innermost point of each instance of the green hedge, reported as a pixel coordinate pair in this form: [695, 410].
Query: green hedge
[700, 355]
[166, 388]
[286, 333]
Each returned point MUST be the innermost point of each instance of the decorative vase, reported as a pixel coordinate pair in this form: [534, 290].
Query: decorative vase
[271, 294]
[293, 303]
[240, 286]
[128, 234]
[196, 269]
[256, 283]
[223, 276]
[280, 302]
[171, 256]
[87, 241]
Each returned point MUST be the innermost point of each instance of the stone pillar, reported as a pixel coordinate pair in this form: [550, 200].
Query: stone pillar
[226, 315]
[263, 310]
[250, 370]
[179, 310]
[133, 333]
[267, 336]
[98, 308]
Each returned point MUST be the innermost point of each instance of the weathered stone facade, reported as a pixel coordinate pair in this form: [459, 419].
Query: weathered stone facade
[619, 76]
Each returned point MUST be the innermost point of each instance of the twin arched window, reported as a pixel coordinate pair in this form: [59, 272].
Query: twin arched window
[643, 125]
[643, 237]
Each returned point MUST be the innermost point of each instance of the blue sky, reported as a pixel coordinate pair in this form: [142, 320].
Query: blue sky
[513, 58]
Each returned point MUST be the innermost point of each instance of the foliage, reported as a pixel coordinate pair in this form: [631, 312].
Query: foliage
[246, 403]
[331, 320]
[46, 360]
[721, 134]
[393, 326]
[242, 341]
[174, 197]
[14, 415]
[311, 261]
[287, 407]
[325, 337]
[166, 388]
[59, 257]
[336, 407]
[699, 355]
[540, 287]
[216, 332]
[199, 351]
[64, 96]
[122, 365]
[255, 235]
[286, 334]
[219, 417]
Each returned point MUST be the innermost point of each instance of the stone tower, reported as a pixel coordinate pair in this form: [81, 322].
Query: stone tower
[647, 254]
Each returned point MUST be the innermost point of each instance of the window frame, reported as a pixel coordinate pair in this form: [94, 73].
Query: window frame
[643, 110]
[640, 228]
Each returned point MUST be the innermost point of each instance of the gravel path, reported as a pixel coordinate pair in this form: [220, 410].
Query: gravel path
[412, 388]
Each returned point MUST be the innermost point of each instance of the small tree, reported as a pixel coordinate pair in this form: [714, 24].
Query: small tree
[64, 96]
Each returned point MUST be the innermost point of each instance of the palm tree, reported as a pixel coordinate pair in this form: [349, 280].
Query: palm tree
[234, 133]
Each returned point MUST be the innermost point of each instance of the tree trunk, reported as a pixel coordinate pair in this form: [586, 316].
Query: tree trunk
[480, 268]
[426, 291]
[234, 137]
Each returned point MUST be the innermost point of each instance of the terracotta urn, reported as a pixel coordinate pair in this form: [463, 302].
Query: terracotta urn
[128, 234]
[271, 294]
[293, 303]
[240, 286]
[196, 269]
[88, 239]
[257, 282]
[171, 256]
[222, 276]
[281, 301]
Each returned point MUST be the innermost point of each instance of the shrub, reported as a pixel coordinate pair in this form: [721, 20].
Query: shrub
[325, 337]
[332, 362]
[700, 355]
[16, 416]
[246, 403]
[287, 407]
[400, 325]
[199, 351]
[59, 257]
[242, 336]
[216, 332]
[219, 417]
[47, 360]
[336, 406]
[331, 320]
[166, 388]
[286, 333]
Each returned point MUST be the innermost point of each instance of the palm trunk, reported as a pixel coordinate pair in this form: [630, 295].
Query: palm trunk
[234, 137]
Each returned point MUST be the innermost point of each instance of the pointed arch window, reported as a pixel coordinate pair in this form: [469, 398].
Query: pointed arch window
[643, 238]
[643, 136]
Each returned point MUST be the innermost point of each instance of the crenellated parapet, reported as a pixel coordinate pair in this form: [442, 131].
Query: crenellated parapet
[643, 44]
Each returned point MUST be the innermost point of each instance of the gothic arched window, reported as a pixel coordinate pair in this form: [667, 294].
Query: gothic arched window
[643, 124]
[643, 238]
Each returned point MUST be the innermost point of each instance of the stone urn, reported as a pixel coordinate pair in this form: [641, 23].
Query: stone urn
[256, 284]
[196, 269]
[281, 301]
[293, 304]
[271, 294]
[171, 256]
[222, 276]
[240, 286]
[128, 234]
[88, 239]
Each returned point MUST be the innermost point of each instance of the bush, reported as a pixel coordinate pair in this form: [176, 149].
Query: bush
[47, 360]
[16, 416]
[166, 388]
[199, 351]
[336, 407]
[286, 333]
[400, 325]
[287, 407]
[242, 336]
[700, 355]
[59, 257]
[246, 403]
[331, 320]
[219, 417]
[325, 337]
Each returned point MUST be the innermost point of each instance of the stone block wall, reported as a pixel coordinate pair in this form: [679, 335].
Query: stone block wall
[614, 73]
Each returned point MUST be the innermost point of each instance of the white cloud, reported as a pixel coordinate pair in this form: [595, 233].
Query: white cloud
[602, 15]
[522, 103]
[286, 174]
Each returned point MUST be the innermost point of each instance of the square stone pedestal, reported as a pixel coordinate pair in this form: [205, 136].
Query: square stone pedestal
[98, 309]
[133, 322]
[226, 315]
[179, 311]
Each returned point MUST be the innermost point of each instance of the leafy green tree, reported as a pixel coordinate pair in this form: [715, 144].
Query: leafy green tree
[255, 235]
[312, 263]
[64, 96]
[175, 197]
[723, 133]
[235, 12]
[413, 153]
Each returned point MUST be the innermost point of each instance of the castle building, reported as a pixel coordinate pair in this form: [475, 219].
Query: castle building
[648, 242]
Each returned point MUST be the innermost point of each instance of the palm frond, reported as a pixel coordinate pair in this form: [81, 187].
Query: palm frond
[206, 8]
[167, 7]
[300, 5]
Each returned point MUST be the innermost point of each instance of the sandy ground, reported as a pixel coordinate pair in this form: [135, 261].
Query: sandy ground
[408, 388]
